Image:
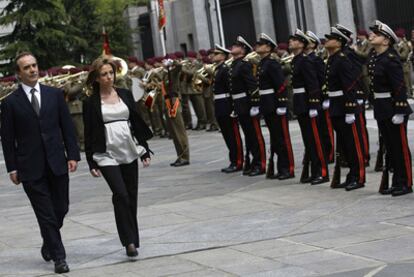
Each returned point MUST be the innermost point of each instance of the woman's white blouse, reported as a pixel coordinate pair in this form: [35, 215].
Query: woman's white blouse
[121, 147]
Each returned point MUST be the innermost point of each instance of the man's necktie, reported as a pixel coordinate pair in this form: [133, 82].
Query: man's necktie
[34, 101]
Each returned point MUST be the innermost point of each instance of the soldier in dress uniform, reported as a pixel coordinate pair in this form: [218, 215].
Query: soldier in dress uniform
[307, 107]
[223, 106]
[326, 130]
[403, 48]
[273, 106]
[391, 109]
[358, 61]
[343, 108]
[244, 92]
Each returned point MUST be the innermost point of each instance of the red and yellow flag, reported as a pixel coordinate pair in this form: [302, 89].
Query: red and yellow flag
[106, 49]
[162, 19]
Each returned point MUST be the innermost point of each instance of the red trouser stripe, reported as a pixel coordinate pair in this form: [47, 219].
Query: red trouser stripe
[359, 154]
[364, 136]
[286, 137]
[318, 146]
[260, 140]
[405, 149]
[331, 135]
[238, 143]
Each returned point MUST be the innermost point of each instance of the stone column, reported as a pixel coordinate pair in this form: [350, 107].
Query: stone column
[291, 12]
[369, 12]
[345, 14]
[317, 17]
[263, 17]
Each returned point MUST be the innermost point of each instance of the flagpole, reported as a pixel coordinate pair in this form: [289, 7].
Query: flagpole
[161, 31]
[220, 23]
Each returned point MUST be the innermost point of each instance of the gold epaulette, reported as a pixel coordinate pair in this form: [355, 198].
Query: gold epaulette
[391, 55]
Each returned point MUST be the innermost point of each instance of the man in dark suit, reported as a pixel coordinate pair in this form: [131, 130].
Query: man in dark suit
[36, 132]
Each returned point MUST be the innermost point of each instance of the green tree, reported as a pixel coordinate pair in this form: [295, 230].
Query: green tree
[83, 16]
[42, 27]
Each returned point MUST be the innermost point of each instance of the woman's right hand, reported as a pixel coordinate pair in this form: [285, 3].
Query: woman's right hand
[95, 172]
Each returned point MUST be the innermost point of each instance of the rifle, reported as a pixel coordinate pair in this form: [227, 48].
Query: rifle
[379, 164]
[270, 166]
[384, 185]
[304, 177]
[336, 178]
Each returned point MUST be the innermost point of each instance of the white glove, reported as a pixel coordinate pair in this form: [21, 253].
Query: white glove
[281, 111]
[397, 119]
[360, 102]
[350, 118]
[313, 113]
[254, 111]
[167, 62]
[325, 104]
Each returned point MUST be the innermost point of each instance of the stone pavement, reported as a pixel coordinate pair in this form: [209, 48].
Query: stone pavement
[196, 221]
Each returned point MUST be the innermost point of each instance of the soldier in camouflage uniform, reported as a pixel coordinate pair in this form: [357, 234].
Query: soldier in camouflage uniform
[174, 116]
[403, 49]
[136, 70]
[73, 95]
[196, 97]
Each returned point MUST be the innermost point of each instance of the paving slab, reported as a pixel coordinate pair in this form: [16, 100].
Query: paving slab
[197, 221]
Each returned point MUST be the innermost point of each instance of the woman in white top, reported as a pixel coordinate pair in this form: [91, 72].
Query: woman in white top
[115, 137]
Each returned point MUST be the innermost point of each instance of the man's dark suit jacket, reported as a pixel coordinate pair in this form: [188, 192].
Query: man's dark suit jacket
[31, 142]
[95, 141]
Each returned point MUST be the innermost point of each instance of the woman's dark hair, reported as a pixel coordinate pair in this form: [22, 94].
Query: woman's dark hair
[94, 72]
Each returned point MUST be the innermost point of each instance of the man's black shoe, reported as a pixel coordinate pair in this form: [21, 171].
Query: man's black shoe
[61, 266]
[45, 253]
[181, 163]
[199, 127]
[231, 169]
[285, 175]
[273, 177]
[174, 163]
[319, 180]
[212, 128]
[306, 180]
[387, 191]
[354, 185]
[339, 186]
[247, 171]
[256, 172]
[401, 191]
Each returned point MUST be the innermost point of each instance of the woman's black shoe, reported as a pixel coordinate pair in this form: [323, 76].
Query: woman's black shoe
[131, 250]
[45, 253]
[61, 266]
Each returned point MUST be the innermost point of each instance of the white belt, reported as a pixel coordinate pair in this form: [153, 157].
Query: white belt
[266, 91]
[238, 95]
[335, 93]
[380, 95]
[298, 90]
[221, 96]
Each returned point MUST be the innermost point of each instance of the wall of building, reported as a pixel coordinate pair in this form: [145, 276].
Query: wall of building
[190, 28]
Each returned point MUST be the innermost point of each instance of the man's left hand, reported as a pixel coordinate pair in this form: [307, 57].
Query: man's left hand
[72, 165]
